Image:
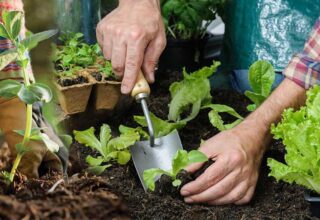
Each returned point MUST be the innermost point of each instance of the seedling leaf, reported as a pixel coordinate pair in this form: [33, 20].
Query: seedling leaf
[9, 88]
[149, 177]
[34, 93]
[32, 41]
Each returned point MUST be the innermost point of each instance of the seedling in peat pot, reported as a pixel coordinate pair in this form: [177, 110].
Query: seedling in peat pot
[261, 78]
[181, 160]
[29, 92]
[109, 149]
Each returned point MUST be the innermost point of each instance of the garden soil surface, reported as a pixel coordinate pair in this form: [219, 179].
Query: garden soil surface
[118, 194]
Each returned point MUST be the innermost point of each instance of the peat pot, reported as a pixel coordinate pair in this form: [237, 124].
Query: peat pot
[314, 200]
[74, 99]
[106, 95]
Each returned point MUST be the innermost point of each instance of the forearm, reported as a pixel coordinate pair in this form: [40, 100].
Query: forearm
[257, 125]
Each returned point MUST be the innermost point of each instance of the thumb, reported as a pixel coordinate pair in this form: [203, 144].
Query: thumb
[194, 167]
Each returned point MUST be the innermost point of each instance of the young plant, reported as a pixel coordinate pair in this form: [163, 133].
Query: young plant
[299, 132]
[216, 120]
[75, 53]
[189, 19]
[109, 149]
[29, 92]
[192, 92]
[181, 160]
[261, 79]
[161, 127]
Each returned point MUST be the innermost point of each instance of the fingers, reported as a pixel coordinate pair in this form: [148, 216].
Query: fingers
[194, 167]
[211, 176]
[237, 194]
[247, 198]
[118, 58]
[216, 191]
[152, 56]
[134, 59]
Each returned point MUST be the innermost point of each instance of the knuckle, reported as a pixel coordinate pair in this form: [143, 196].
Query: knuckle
[161, 44]
[131, 65]
[118, 68]
[136, 33]
[236, 157]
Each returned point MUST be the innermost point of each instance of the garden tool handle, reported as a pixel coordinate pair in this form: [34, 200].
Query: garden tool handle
[141, 86]
[141, 92]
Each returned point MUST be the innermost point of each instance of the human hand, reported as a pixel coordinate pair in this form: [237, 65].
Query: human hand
[233, 176]
[133, 37]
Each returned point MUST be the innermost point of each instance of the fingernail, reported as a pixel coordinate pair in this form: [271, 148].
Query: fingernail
[184, 192]
[125, 89]
[188, 200]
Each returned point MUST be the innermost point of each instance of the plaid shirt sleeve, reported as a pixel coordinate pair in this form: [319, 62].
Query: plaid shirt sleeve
[12, 70]
[304, 68]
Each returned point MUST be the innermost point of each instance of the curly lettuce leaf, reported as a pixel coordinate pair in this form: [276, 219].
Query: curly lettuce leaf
[300, 133]
[161, 127]
[216, 120]
[191, 93]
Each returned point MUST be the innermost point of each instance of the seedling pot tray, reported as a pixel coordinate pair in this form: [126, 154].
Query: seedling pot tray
[106, 95]
[314, 201]
[74, 99]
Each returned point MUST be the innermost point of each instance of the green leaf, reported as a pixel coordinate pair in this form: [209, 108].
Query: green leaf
[7, 57]
[50, 144]
[12, 21]
[196, 156]
[143, 134]
[94, 161]
[186, 94]
[9, 88]
[161, 127]
[16, 25]
[32, 41]
[88, 138]
[256, 98]
[261, 77]
[123, 157]
[300, 133]
[180, 161]
[105, 135]
[34, 93]
[176, 183]
[124, 141]
[3, 32]
[150, 175]
[98, 170]
[21, 150]
[216, 120]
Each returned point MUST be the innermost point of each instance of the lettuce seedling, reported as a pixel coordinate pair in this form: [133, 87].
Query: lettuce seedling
[216, 120]
[161, 127]
[108, 148]
[191, 93]
[181, 160]
[29, 92]
[261, 78]
[299, 132]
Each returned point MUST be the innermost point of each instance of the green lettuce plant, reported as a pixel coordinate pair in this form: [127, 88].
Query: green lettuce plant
[261, 78]
[192, 92]
[109, 149]
[29, 92]
[181, 160]
[300, 133]
[216, 120]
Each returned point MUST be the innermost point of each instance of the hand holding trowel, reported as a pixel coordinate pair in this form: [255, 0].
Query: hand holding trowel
[155, 152]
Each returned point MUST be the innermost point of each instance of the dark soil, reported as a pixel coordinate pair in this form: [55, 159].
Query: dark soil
[97, 76]
[72, 81]
[87, 197]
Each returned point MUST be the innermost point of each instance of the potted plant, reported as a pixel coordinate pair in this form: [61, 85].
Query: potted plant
[81, 69]
[299, 132]
[186, 23]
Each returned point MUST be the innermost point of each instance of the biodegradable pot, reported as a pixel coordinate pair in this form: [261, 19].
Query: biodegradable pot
[106, 95]
[74, 99]
[314, 200]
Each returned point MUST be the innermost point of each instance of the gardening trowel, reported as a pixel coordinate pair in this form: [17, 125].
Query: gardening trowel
[155, 152]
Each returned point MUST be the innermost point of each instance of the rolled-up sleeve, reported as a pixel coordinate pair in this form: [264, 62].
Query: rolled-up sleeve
[304, 68]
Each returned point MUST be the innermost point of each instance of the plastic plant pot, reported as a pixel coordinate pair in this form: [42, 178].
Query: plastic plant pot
[178, 54]
[314, 200]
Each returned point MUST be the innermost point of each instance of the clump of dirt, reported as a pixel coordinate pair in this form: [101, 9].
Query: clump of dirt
[97, 76]
[72, 81]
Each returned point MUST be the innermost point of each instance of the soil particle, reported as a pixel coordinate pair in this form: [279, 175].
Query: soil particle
[97, 76]
[72, 81]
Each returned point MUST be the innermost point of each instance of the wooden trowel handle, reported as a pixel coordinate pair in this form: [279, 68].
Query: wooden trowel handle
[141, 86]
